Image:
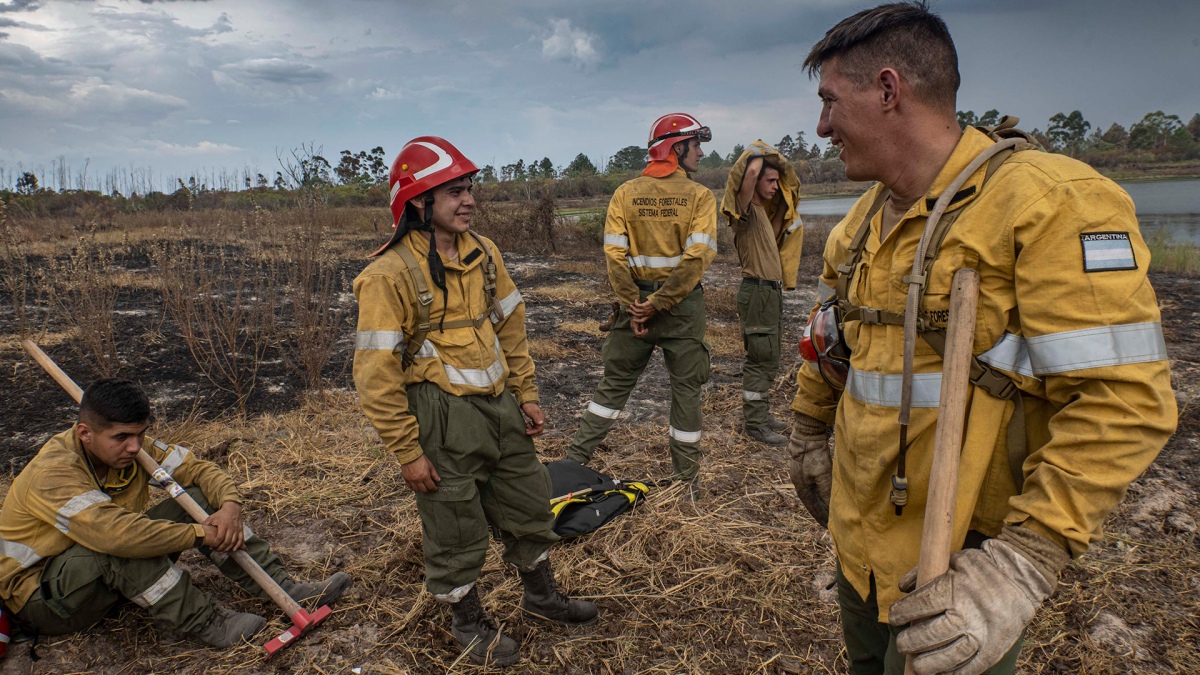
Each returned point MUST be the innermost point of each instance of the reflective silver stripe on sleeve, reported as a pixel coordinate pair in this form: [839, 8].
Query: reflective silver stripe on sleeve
[652, 261]
[75, 505]
[618, 240]
[883, 389]
[1010, 353]
[797, 224]
[482, 378]
[701, 238]
[753, 395]
[158, 589]
[427, 351]
[382, 340]
[1097, 347]
[600, 411]
[824, 292]
[684, 436]
[175, 459]
[25, 556]
[507, 305]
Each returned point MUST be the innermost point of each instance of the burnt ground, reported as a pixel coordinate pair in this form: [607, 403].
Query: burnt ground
[734, 584]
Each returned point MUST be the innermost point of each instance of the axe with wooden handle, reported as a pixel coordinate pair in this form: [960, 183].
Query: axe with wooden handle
[938, 534]
[302, 620]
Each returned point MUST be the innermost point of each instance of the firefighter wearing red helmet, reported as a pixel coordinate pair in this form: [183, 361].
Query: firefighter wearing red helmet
[441, 338]
[660, 236]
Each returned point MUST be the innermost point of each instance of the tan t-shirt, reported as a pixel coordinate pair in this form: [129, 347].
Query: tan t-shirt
[757, 248]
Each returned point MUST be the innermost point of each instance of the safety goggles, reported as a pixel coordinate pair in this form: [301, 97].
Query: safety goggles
[703, 134]
[822, 344]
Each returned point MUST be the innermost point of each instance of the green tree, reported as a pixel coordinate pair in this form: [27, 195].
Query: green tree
[989, 119]
[787, 147]
[1153, 131]
[1182, 144]
[801, 147]
[737, 152]
[27, 183]
[831, 152]
[1068, 132]
[966, 118]
[628, 158]
[546, 168]
[1115, 135]
[487, 174]
[712, 160]
[580, 166]
[1193, 127]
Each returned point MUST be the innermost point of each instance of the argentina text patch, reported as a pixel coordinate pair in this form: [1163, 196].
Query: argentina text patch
[1107, 251]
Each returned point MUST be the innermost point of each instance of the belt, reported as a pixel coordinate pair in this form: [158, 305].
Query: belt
[655, 285]
[762, 282]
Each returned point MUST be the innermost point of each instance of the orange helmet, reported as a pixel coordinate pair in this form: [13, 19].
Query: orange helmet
[424, 163]
[671, 129]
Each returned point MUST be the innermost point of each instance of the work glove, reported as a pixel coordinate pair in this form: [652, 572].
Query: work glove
[811, 465]
[966, 620]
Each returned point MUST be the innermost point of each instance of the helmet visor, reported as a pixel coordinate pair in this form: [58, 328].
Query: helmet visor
[832, 355]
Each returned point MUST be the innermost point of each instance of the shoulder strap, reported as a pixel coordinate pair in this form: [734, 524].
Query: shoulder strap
[489, 277]
[424, 301]
[846, 269]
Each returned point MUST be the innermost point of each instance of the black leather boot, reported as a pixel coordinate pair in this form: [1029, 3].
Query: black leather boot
[475, 630]
[543, 601]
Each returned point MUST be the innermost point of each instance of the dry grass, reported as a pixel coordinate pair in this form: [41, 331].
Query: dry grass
[725, 339]
[572, 291]
[589, 327]
[590, 268]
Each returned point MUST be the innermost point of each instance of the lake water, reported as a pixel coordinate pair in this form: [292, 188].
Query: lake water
[1170, 206]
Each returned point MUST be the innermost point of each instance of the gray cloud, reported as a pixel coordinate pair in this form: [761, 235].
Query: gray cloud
[277, 71]
[18, 6]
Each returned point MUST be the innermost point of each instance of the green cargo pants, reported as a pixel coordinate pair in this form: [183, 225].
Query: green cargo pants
[760, 308]
[490, 475]
[680, 333]
[871, 644]
[80, 586]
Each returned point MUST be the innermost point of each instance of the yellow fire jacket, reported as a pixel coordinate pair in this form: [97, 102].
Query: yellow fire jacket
[1065, 309]
[660, 229]
[472, 360]
[791, 240]
[55, 503]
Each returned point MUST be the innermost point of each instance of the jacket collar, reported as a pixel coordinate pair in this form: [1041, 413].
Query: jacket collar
[969, 146]
[419, 244]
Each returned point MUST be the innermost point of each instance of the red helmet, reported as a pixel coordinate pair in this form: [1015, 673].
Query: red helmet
[671, 129]
[423, 164]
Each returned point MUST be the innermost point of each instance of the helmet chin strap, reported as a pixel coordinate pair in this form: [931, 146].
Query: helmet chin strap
[436, 270]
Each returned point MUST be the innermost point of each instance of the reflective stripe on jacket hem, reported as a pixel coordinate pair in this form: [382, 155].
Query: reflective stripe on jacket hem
[656, 262]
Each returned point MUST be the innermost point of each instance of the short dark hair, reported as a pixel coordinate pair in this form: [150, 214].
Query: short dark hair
[114, 401]
[902, 35]
[770, 165]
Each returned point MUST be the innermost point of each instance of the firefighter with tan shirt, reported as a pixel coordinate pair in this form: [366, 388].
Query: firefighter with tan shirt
[660, 236]
[74, 540]
[1070, 397]
[761, 195]
[442, 366]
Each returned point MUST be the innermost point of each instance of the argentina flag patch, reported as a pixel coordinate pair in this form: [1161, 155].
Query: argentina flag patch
[1107, 252]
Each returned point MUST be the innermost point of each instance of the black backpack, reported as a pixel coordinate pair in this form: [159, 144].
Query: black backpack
[584, 500]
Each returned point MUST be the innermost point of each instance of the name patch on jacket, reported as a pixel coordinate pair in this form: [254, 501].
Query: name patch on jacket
[1107, 251]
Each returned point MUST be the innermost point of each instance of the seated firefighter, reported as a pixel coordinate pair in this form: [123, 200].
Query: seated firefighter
[442, 366]
[74, 541]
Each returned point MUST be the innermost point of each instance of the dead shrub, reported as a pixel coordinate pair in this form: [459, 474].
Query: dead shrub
[311, 317]
[521, 227]
[84, 290]
[222, 296]
[15, 274]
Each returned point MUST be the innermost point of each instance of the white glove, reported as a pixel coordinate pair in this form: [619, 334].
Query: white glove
[811, 465]
[966, 620]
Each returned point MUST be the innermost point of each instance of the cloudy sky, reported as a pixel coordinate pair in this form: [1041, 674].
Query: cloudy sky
[185, 85]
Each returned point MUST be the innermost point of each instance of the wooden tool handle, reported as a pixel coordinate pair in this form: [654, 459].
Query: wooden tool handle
[198, 514]
[938, 534]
